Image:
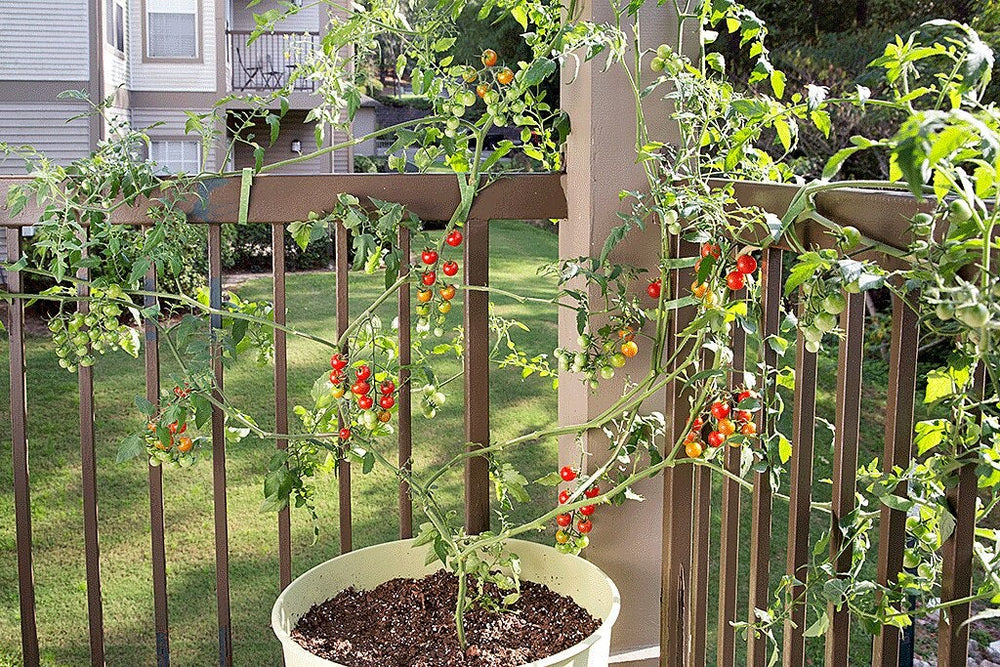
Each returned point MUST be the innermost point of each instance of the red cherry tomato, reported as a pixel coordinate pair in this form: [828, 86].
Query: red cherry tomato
[743, 416]
[345, 433]
[337, 362]
[429, 256]
[735, 281]
[365, 402]
[716, 439]
[720, 410]
[387, 387]
[746, 264]
[335, 377]
[454, 239]
[697, 423]
[584, 526]
[428, 278]
[744, 395]
[592, 492]
[564, 520]
[587, 510]
[653, 289]
[360, 388]
[363, 372]
[450, 268]
[489, 57]
[567, 473]
[563, 496]
[711, 249]
[386, 402]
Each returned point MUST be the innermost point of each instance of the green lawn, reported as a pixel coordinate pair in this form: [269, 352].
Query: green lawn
[517, 407]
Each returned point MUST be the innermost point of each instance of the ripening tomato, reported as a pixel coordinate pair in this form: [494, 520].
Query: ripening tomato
[505, 76]
[174, 429]
[743, 416]
[337, 392]
[746, 264]
[384, 416]
[567, 473]
[444, 308]
[450, 268]
[693, 449]
[429, 256]
[481, 90]
[447, 292]
[654, 288]
[489, 58]
[562, 537]
[716, 439]
[720, 410]
[711, 249]
[699, 290]
[424, 295]
[630, 349]
[185, 444]
[748, 429]
[735, 281]
[726, 427]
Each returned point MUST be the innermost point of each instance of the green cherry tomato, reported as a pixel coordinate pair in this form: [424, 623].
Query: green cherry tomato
[657, 64]
[835, 303]
[826, 322]
[618, 360]
[582, 542]
[663, 51]
[812, 346]
[607, 372]
[959, 212]
[975, 315]
[851, 237]
[944, 311]
[583, 341]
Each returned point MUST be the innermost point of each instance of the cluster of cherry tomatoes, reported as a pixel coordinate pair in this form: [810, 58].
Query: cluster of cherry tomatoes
[503, 76]
[364, 393]
[728, 417]
[573, 534]
[601, 356]
[745, 266]
[431, 261]
[167, 444]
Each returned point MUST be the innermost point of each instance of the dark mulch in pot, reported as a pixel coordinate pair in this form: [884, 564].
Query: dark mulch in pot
[411, 622]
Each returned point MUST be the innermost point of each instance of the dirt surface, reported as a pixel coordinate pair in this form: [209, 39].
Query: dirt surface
[411, 622]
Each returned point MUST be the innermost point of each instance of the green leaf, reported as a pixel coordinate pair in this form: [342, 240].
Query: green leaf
[784, 133]
[130, 448]
[778, 83]
[538, 71]
[784, 449]
[145, 407]
[819, 627]
[552, 479]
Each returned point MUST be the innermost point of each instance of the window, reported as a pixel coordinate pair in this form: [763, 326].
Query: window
[114, 25]
[120, 28]
[172, 29]
[176, 155]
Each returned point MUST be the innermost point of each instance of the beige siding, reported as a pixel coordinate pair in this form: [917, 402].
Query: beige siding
[45, 127]
[44, 40]
[166, 76]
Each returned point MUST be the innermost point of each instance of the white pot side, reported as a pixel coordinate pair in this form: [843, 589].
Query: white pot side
[366, 568]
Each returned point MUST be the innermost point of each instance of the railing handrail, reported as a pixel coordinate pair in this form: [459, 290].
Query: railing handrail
[314, 33]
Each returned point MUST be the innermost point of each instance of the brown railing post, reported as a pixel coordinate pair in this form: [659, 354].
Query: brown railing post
[898, 448]
[729, 539]
[19, 451]
[800, 498]
[760, 512]
[281, 391]
[343, 264]
[88, 472]
[405, 438]
[219, 453]
[678, 502]
[157, 549]
[476, 362]
[845, 463]
[957, 552]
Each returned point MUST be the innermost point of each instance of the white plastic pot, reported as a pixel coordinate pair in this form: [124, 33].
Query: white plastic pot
[367, 568]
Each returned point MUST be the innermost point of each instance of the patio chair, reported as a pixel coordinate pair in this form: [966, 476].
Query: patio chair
[250, 74]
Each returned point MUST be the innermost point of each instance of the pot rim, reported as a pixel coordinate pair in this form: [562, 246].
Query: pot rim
[286, 640]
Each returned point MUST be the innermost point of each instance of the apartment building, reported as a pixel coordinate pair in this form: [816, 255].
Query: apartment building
[159, 58]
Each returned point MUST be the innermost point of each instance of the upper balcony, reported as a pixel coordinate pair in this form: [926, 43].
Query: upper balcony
[266, 63]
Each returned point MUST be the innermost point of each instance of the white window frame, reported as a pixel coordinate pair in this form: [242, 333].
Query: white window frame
[189, 162]
[183, 7]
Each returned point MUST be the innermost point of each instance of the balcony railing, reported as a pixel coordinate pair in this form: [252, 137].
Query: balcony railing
[689, 562]
[266, 63]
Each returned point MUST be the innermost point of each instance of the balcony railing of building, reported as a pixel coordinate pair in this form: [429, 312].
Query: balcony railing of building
[266, 63]
[695, 556]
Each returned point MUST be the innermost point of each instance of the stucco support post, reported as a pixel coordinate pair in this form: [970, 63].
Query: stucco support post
[626, 542]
